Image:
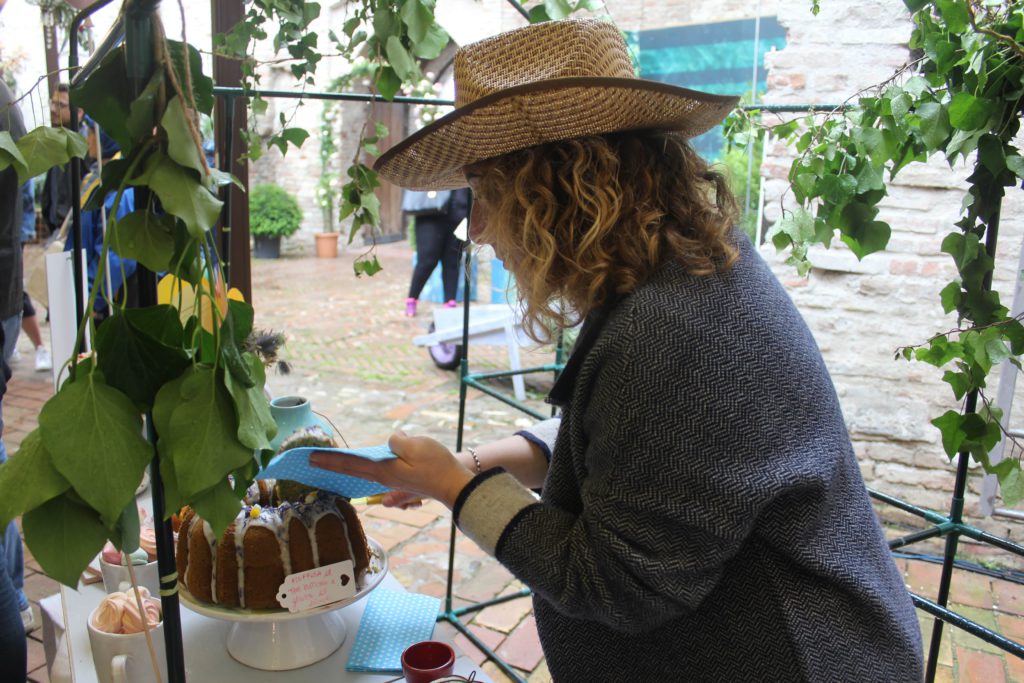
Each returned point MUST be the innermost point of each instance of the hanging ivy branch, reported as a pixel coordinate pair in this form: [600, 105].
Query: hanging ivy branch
[962, 100]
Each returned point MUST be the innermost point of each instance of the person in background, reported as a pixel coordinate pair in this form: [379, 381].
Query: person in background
[702, 515]
[55, 199]
[15, 612]
[436, 242]
[29, 322]
[94, 223]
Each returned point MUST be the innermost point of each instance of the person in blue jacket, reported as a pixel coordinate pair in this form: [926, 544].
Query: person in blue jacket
[96, 222]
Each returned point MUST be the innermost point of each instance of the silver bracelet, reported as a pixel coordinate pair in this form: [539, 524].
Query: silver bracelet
[472, 451]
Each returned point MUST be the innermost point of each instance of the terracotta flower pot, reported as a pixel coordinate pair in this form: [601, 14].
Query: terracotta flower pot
[327, 244]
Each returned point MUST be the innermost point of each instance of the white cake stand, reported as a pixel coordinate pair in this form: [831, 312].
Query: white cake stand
[278, 640]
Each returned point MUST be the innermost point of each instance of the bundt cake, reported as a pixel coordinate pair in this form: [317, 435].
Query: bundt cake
[270, 539]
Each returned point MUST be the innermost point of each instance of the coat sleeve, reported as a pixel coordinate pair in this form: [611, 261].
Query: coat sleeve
[666, 498]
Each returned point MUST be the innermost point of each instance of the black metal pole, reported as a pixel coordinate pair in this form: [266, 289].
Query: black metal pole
[956, 505]
[139, 65]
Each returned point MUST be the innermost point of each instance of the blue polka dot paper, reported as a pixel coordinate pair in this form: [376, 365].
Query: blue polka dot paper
[392, 621]
[294, 465]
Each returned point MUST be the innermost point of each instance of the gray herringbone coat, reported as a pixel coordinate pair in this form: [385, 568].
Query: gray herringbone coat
[703, 516]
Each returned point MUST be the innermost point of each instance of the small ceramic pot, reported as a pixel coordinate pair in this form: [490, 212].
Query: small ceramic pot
[116, 577]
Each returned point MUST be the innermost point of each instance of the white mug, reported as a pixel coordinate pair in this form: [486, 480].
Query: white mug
[116, 577]
[124, 658]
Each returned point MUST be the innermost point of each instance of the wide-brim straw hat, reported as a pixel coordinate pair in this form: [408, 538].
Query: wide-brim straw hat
[541, 83]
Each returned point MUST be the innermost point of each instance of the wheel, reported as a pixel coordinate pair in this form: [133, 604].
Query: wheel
[445, 356]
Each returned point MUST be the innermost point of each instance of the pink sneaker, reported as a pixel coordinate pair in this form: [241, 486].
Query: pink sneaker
[410, 308]
[450, 304]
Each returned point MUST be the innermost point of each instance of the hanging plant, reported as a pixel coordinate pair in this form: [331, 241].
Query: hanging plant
[183, 366]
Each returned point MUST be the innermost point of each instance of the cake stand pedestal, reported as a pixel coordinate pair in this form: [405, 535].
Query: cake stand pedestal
[279, 640]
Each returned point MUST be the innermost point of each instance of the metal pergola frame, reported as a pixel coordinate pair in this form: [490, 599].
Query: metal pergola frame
[134, 28]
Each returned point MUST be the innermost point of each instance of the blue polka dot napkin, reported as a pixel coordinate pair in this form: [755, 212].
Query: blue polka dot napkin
[392, 621]
[294, 465]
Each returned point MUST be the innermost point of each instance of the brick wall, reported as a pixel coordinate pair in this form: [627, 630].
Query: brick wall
[860, 312]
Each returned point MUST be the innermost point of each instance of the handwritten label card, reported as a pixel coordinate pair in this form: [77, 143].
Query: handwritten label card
[317, 587]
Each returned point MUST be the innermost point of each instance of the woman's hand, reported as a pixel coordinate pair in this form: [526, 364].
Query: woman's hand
[423, 468]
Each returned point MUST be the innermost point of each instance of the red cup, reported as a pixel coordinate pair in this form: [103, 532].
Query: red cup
[428, 661]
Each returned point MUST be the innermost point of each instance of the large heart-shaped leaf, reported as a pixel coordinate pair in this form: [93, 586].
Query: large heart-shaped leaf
[28, 479]
[181, 194]
[93, 434]
[201, 435]
[46, 147]
[256, 426]
[63, 536]
[146, 237]
[135, 363]
[106, 96]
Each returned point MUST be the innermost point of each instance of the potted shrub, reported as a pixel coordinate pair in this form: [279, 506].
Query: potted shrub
[273, 214]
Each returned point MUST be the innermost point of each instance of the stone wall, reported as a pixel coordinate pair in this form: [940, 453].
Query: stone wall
[861, 312]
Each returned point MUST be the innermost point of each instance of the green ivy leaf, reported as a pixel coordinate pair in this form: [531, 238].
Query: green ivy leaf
[369, 266]
[969, 113]
[126, 531]
[991, 154]
[838, 189]
[1011, 481]
[218, 505]
[860, 232]
[134, 362]
[10, 155]
[93, 434]
[46, 147]
[181, 146]
[954, 13]
[256, 426]
[107, 97]
[953, 435]
[557, 9]
[202, 85]
[63, 537]
[401, 61]
[142, 114]
[959, 382]
[935, 126]
[539, 14]
[417, 18]
[388, 83]
[181, 194]
[950, 297]
[28, 479]
[200, 437]
[146, 237]
[432, 44]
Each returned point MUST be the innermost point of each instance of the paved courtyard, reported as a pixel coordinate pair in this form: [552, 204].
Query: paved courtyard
[351, 352]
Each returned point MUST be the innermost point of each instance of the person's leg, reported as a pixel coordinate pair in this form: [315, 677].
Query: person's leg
[12, 558]
[13, 644]
[429, 245]
[11, 327]
[450, 273]
[30, 325]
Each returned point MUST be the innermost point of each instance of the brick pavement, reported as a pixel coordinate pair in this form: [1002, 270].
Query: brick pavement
[352, 355]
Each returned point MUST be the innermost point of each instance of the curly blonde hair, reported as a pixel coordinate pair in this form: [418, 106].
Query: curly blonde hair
[586, 220]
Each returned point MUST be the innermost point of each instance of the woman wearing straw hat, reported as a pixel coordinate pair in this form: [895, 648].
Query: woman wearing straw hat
[702, 515]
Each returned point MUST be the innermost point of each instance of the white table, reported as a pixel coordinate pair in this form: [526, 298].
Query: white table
[206, 656]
